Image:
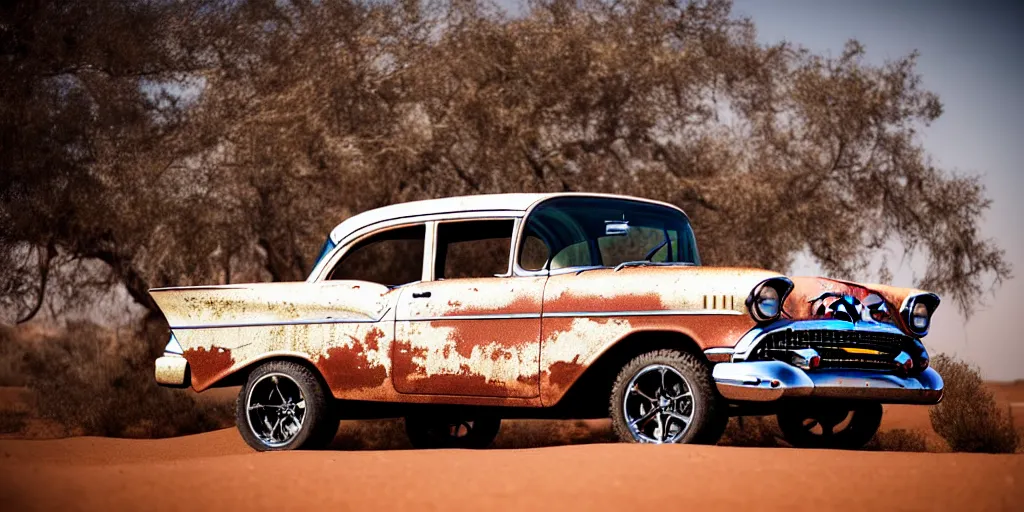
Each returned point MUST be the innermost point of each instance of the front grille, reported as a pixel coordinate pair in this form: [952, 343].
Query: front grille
[831, 345]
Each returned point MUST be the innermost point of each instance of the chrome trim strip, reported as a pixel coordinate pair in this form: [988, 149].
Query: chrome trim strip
[574, 314]
[659, 312]
[497, 316]
[280, 322]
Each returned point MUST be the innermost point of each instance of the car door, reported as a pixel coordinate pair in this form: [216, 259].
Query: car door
[471, 329]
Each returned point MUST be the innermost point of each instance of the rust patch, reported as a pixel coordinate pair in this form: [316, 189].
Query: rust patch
[373, 338]
[348, 368]
[570, 301]
[563, 374]
[465, 357]
[521, 304]
[207, 366]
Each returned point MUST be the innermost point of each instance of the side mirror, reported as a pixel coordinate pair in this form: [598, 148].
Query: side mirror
[616, 228]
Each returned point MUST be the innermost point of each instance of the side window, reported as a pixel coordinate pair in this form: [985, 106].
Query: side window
[534, 253]
[476, 248]
[575, 255]
[393, 257]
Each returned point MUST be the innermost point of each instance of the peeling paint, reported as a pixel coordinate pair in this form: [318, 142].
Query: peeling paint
[207, 364]
[397, 348]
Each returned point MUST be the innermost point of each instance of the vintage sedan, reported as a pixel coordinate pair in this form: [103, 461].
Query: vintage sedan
[456, 313]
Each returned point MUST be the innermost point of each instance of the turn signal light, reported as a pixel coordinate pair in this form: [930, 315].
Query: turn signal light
[905, 362]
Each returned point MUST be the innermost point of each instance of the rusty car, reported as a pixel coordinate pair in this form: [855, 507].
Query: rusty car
[457, 313]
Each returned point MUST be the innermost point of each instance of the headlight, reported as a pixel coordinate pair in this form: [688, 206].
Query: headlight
[766, 299]
[917, 312]
[919, 317]
[767, 302]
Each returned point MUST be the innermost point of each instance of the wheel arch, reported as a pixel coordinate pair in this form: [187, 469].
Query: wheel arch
[238, 377]
[589, 392]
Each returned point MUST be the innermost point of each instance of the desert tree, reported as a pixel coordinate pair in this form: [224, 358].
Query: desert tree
[180, 143]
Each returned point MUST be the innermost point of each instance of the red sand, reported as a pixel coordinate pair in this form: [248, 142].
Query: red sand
[218, 471]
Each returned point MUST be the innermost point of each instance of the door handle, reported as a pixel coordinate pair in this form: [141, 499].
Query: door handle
[420, 295]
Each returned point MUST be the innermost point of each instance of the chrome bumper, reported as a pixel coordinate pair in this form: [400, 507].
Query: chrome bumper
[765, 381]
[172, 371]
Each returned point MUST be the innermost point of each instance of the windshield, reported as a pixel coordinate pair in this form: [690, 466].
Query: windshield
[594, 231]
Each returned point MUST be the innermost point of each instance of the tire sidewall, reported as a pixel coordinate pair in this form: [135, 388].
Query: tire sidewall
[698, 379]
[862, 427]
[313, 423]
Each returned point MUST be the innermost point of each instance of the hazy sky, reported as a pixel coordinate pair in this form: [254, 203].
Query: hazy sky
[972, 56]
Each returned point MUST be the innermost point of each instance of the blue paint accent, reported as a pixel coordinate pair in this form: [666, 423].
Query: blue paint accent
[326, 248]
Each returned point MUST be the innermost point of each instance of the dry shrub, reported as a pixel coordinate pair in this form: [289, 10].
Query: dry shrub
[752, 431]
[95, 381]
[12, 358]
[899, 440]
[968, 417]
[12, 422]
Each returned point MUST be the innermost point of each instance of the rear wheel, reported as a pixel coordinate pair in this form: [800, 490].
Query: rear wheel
[451, 432]
[831, 426]
[666, 396]
[283, 406]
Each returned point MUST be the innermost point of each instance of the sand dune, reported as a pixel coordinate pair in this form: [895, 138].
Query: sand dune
[217, 471]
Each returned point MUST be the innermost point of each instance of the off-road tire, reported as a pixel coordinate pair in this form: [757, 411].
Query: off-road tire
[708, 418]
[428, 432]
[320, 423]
[863, 425]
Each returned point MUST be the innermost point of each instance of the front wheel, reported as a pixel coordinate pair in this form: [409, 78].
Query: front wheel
[451, 432]
[831, 425]
[665, 396]
[283, 406]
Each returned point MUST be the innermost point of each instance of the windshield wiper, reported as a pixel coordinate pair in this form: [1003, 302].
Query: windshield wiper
[644, 263]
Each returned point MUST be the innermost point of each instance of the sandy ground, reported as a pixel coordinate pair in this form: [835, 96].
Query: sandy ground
[218, 471]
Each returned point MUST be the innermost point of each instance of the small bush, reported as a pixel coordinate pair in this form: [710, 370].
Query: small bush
[12, 422]
[97, 382]
[899, 440]
[752, 431]
[12, 358]
[968, 418]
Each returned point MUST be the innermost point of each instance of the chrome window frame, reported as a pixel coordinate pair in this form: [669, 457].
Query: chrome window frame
[512, 238]
[324, 268]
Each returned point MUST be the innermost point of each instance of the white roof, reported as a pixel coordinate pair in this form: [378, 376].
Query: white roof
[514, 203]
[478, 203]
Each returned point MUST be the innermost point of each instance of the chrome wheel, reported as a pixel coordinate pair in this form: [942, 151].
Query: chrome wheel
[275, 409]
[658, 405]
